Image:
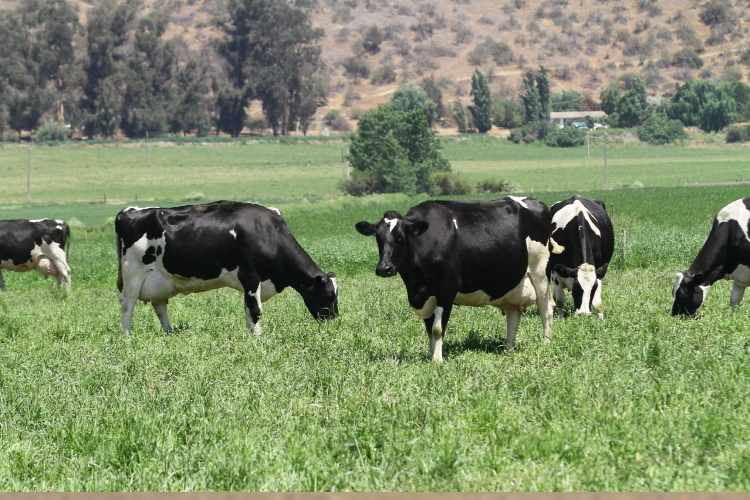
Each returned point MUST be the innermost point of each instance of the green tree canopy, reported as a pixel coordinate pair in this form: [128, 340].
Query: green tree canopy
[409, 98]
[395, 151]
[702, 103]
[481, 111]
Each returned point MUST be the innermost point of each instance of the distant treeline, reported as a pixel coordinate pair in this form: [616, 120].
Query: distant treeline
[117, 73]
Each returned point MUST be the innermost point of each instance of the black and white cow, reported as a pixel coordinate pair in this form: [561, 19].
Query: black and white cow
[582, 242]
[28, 245]
[468, 253]
[163, 252]
[725, 254]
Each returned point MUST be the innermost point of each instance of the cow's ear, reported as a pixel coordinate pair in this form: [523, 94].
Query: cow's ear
[602, 271]
[365, 228]
[698, 279]
[416, 227]
[331, 275]
[565, 271]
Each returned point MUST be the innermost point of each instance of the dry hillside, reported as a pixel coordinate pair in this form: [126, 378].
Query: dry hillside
[586, 44]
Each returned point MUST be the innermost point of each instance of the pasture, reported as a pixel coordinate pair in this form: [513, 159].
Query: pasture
[639, 401]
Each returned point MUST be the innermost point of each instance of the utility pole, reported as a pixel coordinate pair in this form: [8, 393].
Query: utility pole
[28, 176]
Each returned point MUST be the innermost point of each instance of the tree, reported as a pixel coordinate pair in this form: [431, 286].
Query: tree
[568, 100]
[542, 84]
[609, 97]
[702, 103]
[566, 137]
[531, 97]
[659, 129]
[107, 32]
[459, 114]
[191, 101]
[431, 88]
[59, 23]
[395, 151]
[148, 100]
[409, 98]
[481, 111]
[507, 114]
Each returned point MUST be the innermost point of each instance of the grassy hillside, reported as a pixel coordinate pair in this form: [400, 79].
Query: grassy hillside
[586, 45]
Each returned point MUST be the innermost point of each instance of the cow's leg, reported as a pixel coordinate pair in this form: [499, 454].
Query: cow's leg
[160, 308]
[737, 293]
[537, 273]
[436, 326]
[2, 281]
[512, 320]
[559, 296]
[131, 290]
[597, 301]
[60, 261]
[253, 307]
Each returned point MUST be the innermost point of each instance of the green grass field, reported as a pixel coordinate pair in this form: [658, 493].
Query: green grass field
[639, 401]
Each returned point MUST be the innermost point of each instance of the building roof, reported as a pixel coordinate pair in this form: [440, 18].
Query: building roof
[556, 115]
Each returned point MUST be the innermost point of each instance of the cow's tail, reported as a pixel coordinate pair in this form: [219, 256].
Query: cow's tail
[66, 232]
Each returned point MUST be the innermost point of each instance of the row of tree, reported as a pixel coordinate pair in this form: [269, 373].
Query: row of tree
[118, 73]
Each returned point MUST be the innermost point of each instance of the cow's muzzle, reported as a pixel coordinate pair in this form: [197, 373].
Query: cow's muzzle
[385, 270]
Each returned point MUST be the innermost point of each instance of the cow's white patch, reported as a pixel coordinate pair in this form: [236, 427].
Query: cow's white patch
[586, 280]
[436, 339]
[233, 233]
[335, 286]
[275, 210]
[37, 220]
[519, 200]
[455, 223]
[427, 309]
[676, 286]
[392, 223]
[569, 212]
[736, 211]
[137, 209]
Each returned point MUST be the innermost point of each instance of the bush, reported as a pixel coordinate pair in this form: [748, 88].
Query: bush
[256, 123]
[530, 132]
[11, 135]
[566, 137]
[335, 121]
[507, 114]
[356, 67]
[737, 134]
[397, 150]
[50, 131]
[687, 57]
[361, 184]
[383, 75]
[448, 184]
[659, 129]
[494, 186]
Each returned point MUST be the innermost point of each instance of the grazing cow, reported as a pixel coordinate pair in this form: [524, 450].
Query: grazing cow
[163, 252]
[582, 242]
[468, 253]
[26, 245]
[725, 254]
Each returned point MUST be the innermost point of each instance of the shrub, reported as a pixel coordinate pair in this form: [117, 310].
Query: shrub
[716, 12]
[659, 129]
[494, 186]
[500, 52]
[50, 131]
[507, 114]
[383, 75]
[256, 123]
[361, 184]
[11, 135]
[397, 149]
[687, 57]
[566, 137]
[737, 134]
[372, 39]
[356, 67]
[449, 184]
[335, 121]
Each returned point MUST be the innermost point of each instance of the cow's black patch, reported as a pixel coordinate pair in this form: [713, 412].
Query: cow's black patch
[158, 250]
[149, 256]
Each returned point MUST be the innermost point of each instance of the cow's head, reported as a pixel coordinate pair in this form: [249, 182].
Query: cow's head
[323, 299]
[391, 233]
[688, 293]
[584, 282]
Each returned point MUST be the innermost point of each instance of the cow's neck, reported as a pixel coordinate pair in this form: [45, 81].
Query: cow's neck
[711, 259]
[295, 269]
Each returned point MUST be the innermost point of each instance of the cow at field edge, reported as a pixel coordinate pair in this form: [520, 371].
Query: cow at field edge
[163, 252]
[582, 242]
[725, 254]
[468, 253]
[28, 245]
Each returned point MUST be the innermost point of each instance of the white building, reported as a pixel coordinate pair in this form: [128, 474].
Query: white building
[562, 118]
